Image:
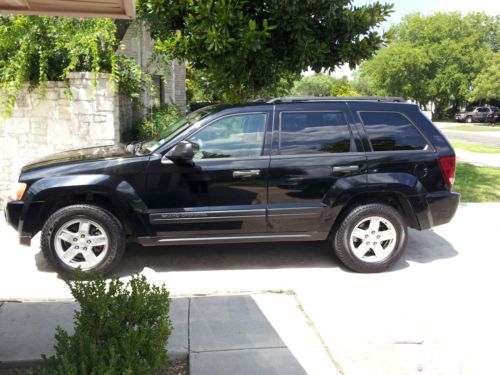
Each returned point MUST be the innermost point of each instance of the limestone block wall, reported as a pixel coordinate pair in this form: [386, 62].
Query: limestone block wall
[66, 118]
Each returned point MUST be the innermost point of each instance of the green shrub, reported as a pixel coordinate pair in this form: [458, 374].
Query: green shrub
[157, 120]
[120, 329]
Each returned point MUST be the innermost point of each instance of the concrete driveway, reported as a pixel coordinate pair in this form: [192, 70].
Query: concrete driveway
[436, 312]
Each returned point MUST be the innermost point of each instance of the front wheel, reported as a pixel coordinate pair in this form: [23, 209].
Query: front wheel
[83, 236]
[468, 120]
[371, 238]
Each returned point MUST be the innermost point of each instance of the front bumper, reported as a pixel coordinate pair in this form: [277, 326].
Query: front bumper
[13, 213]
[441, 207]
[13, 218]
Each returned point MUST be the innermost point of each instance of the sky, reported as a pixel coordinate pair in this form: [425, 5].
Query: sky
[404, 7]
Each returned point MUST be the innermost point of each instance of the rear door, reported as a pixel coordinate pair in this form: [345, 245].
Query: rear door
[315, 158]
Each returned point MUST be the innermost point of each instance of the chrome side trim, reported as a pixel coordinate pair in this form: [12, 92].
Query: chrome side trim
[188, 216]
[235, 237]
[249, 238]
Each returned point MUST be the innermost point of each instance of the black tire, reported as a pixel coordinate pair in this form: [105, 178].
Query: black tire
[112, 226]
[341, 239]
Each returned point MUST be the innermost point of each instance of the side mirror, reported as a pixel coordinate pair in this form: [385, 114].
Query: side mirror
[183, 151]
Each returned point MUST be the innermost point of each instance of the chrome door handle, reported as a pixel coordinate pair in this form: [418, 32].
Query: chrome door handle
[346, 168]
[246, 174]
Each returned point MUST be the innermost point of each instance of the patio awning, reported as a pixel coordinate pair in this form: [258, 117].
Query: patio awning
[124, 9]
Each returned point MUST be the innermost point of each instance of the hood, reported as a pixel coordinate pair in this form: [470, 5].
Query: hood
[81, 155]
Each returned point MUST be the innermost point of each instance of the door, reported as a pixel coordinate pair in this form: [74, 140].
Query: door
[401, 158]
[223, 190]
[314, 160]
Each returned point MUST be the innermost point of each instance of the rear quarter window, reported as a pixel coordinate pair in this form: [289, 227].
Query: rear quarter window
[391, 131]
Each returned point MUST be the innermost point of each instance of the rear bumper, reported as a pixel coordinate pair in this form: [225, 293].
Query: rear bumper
[441, 207]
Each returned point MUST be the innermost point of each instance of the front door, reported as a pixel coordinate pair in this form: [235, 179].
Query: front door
[224, 189]
[314, 160]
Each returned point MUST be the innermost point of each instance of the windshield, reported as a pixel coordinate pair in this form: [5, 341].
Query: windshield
[176, 127]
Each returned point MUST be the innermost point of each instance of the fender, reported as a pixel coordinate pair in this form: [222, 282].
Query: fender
[123, 197]
[406, 187]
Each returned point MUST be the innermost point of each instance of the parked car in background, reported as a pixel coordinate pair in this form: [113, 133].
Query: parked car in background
[475, 114]
[356, 172]
[494, 116]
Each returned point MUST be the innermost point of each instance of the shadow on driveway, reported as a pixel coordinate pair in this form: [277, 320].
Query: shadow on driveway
[423, 247]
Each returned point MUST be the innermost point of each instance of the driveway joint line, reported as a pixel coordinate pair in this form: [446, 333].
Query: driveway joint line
[318, 335]
[239, 349]
[189, 326]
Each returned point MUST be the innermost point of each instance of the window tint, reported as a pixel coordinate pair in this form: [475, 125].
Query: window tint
[239, 136]
[314, 132]
[389, 131]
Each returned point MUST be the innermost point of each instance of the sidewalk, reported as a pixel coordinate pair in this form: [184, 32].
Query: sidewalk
[244, 334]
[481, 160]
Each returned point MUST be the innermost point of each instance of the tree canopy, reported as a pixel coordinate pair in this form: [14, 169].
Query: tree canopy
[322, 85]
[433, 58]
[486, 85]
[246, 47]
[34, 50]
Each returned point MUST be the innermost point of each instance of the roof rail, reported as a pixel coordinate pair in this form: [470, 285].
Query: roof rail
[291, 99]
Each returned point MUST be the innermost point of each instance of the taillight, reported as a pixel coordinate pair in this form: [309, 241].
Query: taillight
[447, 165]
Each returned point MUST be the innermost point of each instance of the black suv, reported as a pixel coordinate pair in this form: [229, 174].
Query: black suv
[356, 172]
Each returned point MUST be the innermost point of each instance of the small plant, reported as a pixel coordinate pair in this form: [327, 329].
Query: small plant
[120, 329]
[157, 120]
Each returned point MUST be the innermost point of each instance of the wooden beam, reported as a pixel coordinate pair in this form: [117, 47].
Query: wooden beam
[119, 9]
[67, 14]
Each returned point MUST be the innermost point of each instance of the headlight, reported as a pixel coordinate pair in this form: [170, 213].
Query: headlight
[21, 188]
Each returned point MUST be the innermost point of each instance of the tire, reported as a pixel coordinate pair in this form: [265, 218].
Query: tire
[358, 254]
[85, 230]
[468, 120]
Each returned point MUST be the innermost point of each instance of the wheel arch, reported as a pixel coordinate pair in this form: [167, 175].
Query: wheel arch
[49, 195]
[393, 199]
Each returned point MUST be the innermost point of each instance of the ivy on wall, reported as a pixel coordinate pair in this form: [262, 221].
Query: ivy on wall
[34, 50]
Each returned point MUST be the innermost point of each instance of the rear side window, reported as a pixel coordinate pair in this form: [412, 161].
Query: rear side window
[314, 133]
[391, 131]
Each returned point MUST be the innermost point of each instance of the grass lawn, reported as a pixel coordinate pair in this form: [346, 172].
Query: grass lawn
[477, 184]
[475, 147]
[476, 128]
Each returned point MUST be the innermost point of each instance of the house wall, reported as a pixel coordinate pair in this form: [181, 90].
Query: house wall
[138, 45]
[64, 119]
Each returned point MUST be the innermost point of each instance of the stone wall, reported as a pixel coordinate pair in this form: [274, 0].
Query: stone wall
[66, 118]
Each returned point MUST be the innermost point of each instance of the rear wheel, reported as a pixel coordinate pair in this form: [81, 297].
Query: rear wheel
[371, 238]
[83, 236]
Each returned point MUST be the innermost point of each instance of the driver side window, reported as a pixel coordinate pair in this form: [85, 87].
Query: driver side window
[239, 136]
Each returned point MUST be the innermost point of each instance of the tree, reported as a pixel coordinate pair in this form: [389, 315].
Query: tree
[486, 86]
[246, 47]
[342, 87]
[34, 50]
[433, 58]
[322, 85]
[316, 85]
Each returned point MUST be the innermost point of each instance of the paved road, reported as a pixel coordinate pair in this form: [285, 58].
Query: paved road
[436, 312]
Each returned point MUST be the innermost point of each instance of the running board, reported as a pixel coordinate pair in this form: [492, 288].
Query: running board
[279, 237]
